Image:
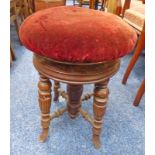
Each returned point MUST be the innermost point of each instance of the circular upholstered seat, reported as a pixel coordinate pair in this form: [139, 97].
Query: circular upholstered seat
[75, 34]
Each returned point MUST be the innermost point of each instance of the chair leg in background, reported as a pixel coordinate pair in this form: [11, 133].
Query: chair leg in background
[138, 50]
[140, 93]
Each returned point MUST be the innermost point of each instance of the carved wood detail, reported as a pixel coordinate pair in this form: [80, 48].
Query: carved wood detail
[44, 92]
[100, 100]
[75, 75]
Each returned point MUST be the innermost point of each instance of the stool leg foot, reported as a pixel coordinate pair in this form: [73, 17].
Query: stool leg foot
[100, 99]
[44, 134]
[74, 99]
[96, 141]
[56, 92]
[44, 86]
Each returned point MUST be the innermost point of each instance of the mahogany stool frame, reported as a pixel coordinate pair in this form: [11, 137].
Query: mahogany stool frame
[75, 75]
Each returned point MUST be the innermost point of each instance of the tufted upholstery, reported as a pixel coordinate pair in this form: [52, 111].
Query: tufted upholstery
[75, 34]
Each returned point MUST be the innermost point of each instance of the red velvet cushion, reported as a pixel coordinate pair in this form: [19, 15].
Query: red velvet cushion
[77, 34]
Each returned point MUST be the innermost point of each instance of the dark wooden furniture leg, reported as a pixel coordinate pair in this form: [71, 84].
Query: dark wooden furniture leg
[138, 50]
[96, 4]
[33, 5]
[17, 27]
[140, 93]
[102, 6]
[126, 6]
[100, 99]
[74, 99]
[44, 86]
[12, 55]
[56, 92]
[91, 4]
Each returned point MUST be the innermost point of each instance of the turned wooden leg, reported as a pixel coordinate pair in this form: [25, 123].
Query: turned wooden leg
[138, 50]
[139, 94]
[91, 4]
[56, 92]
[74, 99]
[44, 86]
[100, 99]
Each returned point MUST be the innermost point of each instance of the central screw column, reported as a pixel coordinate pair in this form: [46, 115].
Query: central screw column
[74, 99]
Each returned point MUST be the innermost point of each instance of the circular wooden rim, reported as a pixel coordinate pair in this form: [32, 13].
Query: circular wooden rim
[73, 73]
[73, 63]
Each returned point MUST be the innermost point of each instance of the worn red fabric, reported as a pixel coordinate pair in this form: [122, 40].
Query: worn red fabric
[75, 34]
